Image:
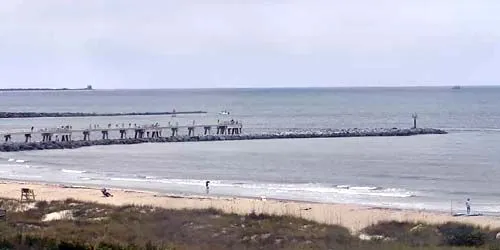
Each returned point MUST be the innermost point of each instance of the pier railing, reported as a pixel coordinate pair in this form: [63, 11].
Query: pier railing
[66, 133]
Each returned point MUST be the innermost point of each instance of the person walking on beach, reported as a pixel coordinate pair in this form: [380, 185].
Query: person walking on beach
[206, 185]
[467, 205]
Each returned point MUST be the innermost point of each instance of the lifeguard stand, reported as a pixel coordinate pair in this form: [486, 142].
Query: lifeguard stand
[27, 195]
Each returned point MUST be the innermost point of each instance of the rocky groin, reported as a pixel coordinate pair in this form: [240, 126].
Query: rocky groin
[4, 115]
[328, 133]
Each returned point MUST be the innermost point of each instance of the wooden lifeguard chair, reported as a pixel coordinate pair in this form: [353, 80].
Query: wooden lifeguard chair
[27, 195]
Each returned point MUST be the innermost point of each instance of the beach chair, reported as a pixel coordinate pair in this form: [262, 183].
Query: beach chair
[27, 195]
[3, 214]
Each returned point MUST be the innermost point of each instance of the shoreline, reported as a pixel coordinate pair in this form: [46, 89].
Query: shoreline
[352, 216]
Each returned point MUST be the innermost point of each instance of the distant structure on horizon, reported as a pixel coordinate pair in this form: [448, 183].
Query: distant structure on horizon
[456, 87]
[89, 87]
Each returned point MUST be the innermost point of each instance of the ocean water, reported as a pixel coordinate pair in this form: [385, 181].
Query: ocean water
[419, 172]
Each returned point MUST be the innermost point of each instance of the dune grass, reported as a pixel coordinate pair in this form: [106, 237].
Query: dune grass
[98, 226]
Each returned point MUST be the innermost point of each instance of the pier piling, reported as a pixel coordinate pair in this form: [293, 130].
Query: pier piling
[174, 131]
[155, 134]
[86, 135]
[64, 133]
[123, 133]
[190, 131]
[105, 134]
[207, 129]
[46, 137]
[66, 137]
[221, 130]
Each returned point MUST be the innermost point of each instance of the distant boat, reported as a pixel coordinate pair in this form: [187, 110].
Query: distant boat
[225, 112]
[456, 87]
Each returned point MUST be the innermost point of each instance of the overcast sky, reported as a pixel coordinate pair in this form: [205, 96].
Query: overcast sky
[216, 43]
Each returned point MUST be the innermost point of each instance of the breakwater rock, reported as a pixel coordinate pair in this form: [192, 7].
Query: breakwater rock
[328, 133]
[5, 115]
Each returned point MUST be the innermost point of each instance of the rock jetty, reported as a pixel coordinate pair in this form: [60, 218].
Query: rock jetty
[328, 133]
[89, 87]
[4, 115]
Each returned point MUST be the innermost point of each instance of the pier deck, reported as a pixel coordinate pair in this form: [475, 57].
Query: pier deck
[122, 132]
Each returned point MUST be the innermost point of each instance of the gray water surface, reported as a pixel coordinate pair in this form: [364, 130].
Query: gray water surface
[411, 172]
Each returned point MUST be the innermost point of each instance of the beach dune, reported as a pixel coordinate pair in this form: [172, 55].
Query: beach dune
[353, 217]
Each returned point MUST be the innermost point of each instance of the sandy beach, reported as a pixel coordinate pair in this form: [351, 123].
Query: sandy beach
[354, 217]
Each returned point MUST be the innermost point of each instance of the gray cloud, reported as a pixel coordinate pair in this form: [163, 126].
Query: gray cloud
[157, 43]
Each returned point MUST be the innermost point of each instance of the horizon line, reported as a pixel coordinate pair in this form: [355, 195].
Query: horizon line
[227, 88]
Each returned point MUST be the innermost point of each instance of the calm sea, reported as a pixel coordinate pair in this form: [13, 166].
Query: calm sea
[428, 172]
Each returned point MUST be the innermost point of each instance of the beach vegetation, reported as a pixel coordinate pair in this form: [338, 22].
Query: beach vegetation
[72, 224]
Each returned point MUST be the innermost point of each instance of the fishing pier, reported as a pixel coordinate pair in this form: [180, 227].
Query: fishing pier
[66, 137]
[67, 133]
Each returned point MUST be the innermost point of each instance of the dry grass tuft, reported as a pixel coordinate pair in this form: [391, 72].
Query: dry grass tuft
[98, 226]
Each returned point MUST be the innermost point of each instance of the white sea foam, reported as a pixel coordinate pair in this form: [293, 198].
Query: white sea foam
[128, 179]
[21, 177]
[165, 181]
[73, 171]
[11, 159]
[291, 189]
[147, 177]
[20, 161]
[365, 188]
[358, 188]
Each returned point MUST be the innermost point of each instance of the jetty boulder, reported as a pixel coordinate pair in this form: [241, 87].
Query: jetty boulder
[324, 133]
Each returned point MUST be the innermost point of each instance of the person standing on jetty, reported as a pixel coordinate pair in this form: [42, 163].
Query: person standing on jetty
[467, 205]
